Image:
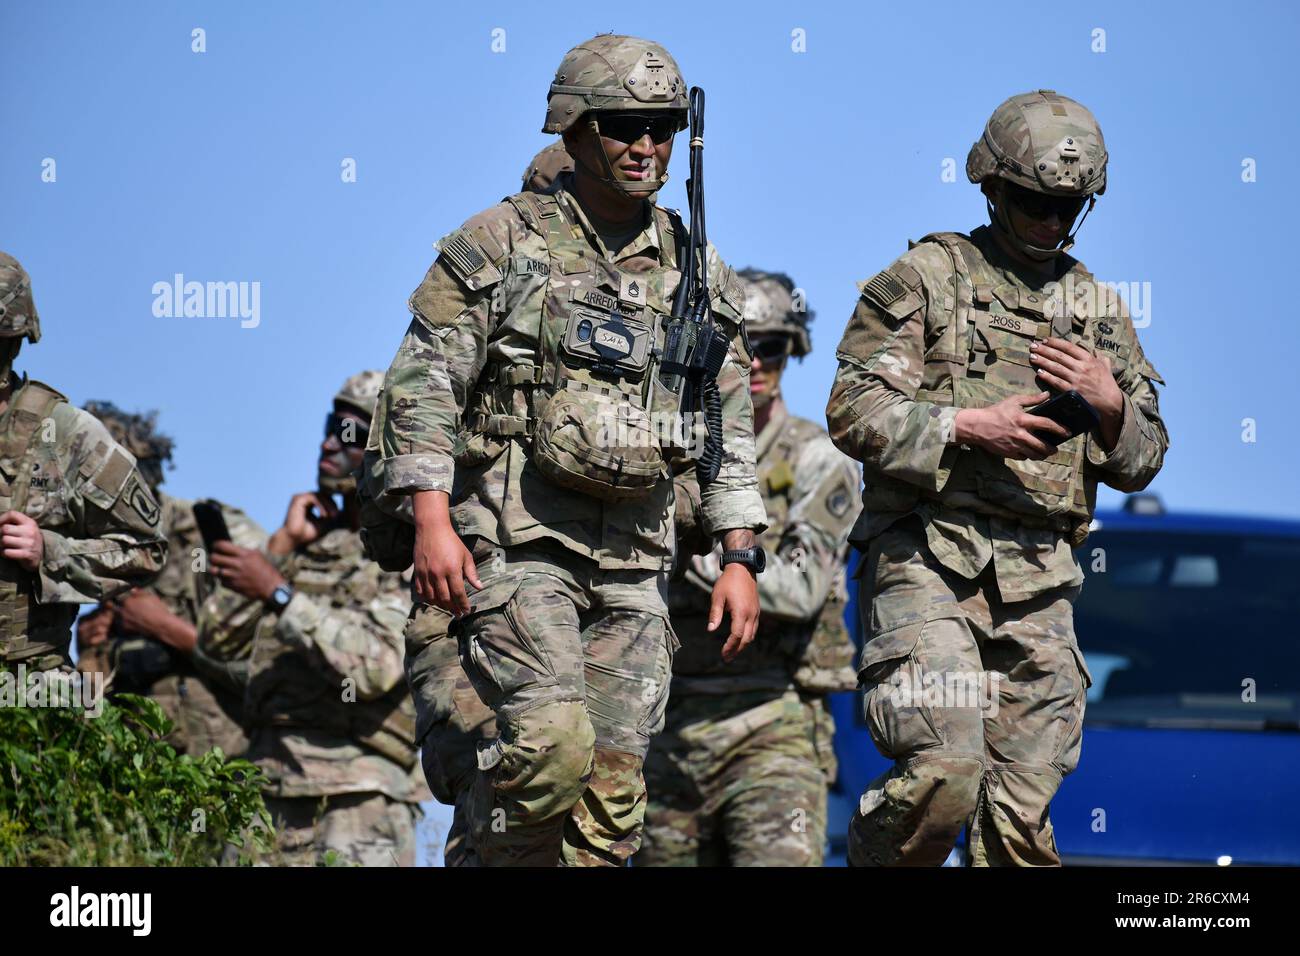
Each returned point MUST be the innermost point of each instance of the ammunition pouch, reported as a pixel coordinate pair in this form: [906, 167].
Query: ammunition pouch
[598, 444]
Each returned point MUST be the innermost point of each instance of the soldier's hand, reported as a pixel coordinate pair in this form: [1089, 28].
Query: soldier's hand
[735, 593]
[244, 570]
[1006, 429]
[21, 540]
[300, 525]
[142, 612]
[442, 563]
[1064, 365]
[93, 628]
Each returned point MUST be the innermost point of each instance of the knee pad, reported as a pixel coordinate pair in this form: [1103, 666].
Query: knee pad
[955, 784]
[944, 788]
[544, 759]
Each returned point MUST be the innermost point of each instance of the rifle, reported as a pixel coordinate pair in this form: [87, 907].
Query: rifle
[694, 346]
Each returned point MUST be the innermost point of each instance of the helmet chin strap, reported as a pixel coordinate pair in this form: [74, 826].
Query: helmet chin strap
[1002, 221]
[639, 189]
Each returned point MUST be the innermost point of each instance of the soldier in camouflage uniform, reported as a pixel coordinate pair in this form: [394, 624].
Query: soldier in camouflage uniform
[969, 517]
[78, 523]
[450, 720]
[331, 721]
[530, 463]
[739, 775]
[147, 637]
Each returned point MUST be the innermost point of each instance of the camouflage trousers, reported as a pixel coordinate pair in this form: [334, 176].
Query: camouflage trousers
[575, 662]
[358, 829]
[450, 720]
[739, 781]
[979, 703]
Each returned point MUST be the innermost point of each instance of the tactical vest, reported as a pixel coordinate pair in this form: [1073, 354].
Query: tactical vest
[287, 691]
[981, 357]
[31, 632]
[817, 655]
[588, 401]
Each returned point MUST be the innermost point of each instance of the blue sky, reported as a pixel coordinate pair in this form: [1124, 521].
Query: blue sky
[225, 166]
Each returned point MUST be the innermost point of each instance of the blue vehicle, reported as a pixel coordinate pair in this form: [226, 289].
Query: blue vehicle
[1191, 745]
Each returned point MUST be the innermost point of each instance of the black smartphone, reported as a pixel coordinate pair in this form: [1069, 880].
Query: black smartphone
[1069, 409]
[211, 522]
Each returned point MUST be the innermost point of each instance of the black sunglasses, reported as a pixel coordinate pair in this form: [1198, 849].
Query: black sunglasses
[630, 127]
[1037, 205]
[771, 349]
[350, 432]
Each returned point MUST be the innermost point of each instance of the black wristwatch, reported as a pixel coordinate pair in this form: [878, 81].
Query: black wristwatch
[753, 558]
[281, 597]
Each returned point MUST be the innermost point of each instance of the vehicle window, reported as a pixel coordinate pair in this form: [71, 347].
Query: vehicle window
[1191, 629]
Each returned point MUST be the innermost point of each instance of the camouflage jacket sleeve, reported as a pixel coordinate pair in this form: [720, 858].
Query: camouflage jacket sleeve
[732, 500]
[825, 502]
[362, 642]
[1143, 440]
[227, 620]
[873, 414]
[116, 539]
[439, 360]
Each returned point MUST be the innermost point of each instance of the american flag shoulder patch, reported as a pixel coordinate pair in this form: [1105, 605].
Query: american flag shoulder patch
[884, 289]
[463, 254]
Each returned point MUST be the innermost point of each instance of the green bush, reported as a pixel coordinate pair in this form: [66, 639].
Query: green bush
[106, 791]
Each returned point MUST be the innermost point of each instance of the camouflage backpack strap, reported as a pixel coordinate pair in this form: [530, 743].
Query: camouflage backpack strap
[541, 214]
[969, 286]
[1080, 321]
[536, 210]
[33, 404]
[670, 224]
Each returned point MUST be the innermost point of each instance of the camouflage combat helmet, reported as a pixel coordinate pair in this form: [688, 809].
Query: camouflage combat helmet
[771, 308]
[17, 309]
[361, 391]
[546, 166]
[138, 434]
[611, 72]
[1043, 141]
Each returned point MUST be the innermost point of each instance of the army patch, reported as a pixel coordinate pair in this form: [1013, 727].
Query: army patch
[839, 501]
[631, 289]
[1110, 345]
[143, 503]
[527, 266]
[884, 289]
[1013, 323]
[464, 257]
[595, 299]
